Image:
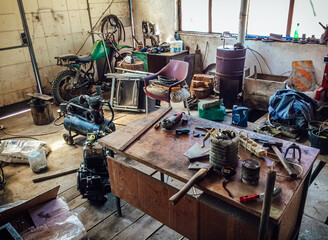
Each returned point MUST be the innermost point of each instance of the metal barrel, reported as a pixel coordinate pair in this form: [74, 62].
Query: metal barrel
[229, 73]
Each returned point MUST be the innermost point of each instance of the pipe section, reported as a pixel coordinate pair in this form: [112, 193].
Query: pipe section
[242, 24]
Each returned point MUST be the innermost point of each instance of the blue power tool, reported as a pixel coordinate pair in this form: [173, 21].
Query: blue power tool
[239, 116]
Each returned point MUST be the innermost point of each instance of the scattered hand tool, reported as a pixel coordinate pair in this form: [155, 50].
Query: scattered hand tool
[180, 131]
[196, 152]
[169, 122]
[286, 165]
[293, 147]
[208, 134]
[205, 129]
[202, 172]
[278, 144]
[157, 125]
[254, 197]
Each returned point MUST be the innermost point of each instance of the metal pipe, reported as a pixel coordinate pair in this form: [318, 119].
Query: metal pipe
[266, 207]
[132, 23]
[242, 23]
[30, 46]
[89, 14]
[13, 47]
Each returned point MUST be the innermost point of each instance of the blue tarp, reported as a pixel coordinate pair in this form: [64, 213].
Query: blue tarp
[289, 104]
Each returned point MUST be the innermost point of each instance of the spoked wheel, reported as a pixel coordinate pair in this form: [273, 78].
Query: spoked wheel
[64, 88]
[68, 139]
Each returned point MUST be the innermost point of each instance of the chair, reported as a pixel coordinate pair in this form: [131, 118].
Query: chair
[174, 70]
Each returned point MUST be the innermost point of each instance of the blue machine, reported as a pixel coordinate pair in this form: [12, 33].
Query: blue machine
[85, 115]
[239, 116]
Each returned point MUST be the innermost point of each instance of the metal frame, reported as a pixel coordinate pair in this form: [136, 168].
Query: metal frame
[132, 75]
[30, 46]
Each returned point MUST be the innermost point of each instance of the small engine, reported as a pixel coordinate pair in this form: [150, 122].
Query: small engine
[93, 178]
[83, 115]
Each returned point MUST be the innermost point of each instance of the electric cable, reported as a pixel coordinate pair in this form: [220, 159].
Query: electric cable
[262, 58]
[114, 22]
[8, 138]
[256, 58]
[31, 135]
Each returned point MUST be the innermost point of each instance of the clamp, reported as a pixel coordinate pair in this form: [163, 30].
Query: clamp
[294, 147]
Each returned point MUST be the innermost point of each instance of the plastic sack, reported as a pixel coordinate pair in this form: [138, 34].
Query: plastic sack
[180, 95]
[17, 151]
[59, 223]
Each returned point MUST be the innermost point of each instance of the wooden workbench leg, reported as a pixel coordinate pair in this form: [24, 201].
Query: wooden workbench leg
[302, 206]
[317, 171]
[118, 206]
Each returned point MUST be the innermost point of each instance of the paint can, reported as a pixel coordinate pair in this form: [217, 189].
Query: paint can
[250, 172]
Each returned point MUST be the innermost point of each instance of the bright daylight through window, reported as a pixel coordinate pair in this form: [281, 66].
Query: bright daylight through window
[264, 16]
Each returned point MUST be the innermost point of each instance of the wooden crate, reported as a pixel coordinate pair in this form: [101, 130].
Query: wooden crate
[257, 91]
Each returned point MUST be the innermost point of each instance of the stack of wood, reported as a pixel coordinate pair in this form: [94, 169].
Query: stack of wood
[201, 85]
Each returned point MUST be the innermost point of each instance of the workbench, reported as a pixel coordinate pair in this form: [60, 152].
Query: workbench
[213, 214]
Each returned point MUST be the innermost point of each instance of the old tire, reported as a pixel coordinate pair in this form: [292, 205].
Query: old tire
[63, 89]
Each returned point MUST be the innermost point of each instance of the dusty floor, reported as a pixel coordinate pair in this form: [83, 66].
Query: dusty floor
[19, 185]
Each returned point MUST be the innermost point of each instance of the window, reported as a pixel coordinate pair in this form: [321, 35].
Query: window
[267, 17]
[264, 16]
[225, 15]
[194, 15]
[304, 15]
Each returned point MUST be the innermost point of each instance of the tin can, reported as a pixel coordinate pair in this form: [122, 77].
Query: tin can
[250, 172]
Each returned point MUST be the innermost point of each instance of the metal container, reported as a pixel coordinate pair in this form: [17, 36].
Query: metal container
[229, 73]
[250, 172]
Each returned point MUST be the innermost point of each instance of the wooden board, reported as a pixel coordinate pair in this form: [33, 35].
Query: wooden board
[164, 152]
[55, 174]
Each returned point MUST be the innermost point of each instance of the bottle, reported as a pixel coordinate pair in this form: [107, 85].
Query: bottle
[296, 36]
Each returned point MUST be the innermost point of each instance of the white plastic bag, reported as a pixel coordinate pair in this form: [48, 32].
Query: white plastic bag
[17, 151]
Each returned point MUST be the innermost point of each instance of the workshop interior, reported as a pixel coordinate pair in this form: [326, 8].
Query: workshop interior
[171, 119]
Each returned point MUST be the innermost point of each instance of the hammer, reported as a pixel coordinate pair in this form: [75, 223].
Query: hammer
[274, 146]
[203, 170]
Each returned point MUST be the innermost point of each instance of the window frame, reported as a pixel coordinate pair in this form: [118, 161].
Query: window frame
[288, 24]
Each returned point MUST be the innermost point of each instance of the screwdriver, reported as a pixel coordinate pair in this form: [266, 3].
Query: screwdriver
[249, 198]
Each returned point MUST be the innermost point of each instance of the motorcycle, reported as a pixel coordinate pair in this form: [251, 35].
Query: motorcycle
[79, 77]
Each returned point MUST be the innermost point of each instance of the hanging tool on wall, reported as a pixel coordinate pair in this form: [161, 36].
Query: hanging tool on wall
[148, 30]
